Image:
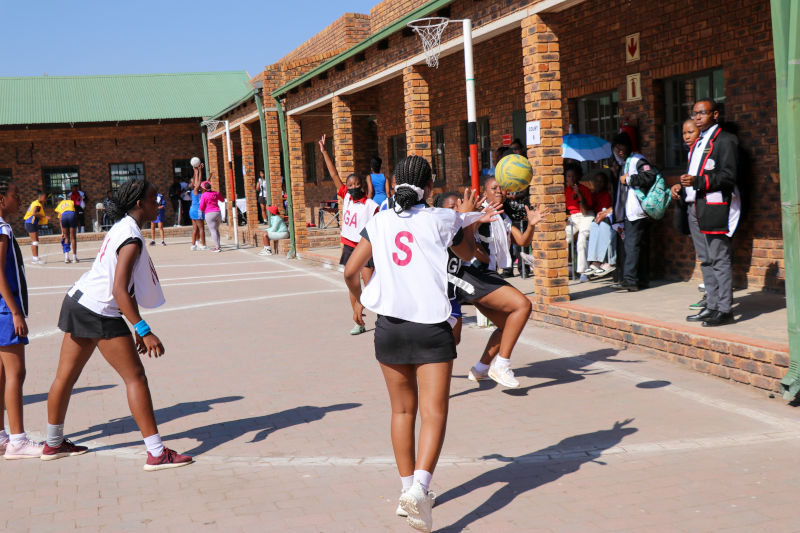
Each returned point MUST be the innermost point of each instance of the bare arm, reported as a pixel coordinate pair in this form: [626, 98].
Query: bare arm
[386, 187]
[20, 327]
[328, 163]
[370, 188]
[126, 259]
[534, 217]
[352, 277]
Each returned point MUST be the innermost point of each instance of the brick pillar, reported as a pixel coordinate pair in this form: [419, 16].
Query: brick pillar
[542, 78]
[343, 136]
[294, 133]
[274, 148]
[416, 98]
[249, 164]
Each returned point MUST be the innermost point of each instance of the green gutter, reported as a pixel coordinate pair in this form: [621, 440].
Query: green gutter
[786, 42]
[422, 11]
[205, 149]
[264, 148]
[287, 173]
[246, 98]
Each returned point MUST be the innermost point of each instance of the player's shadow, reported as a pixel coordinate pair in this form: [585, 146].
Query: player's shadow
[42, 396]
[532, 470]
[214, 435]
[558, 371]
[126, 424]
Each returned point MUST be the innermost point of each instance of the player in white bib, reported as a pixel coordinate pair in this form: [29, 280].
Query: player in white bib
[357, 210]
[121, 279]
[413, 341]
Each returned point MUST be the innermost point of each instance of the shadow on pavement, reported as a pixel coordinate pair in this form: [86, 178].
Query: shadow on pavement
[126, 424]
[214, 435]
[532, 470]
[42, 397]
[559, 371]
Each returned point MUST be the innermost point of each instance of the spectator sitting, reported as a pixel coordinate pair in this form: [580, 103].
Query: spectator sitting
[602, 252]
[276, 231]
[578, 200]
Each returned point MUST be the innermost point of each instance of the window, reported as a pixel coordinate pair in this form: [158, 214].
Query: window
[680, 94]
[397, 144]
[5, 172]
[326, 176]
[598, 115]
[311, 162]
[182, 169]
[439, 168]
[122, 172]
[58, 181]
[484, 144]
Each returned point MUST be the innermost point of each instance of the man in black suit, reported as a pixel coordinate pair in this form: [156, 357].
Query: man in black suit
[708, 188]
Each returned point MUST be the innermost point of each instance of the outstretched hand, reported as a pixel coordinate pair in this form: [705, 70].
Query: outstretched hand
[491, 211]
[469, 202]
[322, 142]
[537, 215]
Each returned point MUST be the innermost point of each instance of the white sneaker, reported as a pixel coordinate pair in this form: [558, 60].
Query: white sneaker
[35, 261]
[504, 376]
[264, 252]
[401, 512]
[66, 258]
[202, 247]
[417, 503]
[26, 450]
[193, 248]
[477, 375]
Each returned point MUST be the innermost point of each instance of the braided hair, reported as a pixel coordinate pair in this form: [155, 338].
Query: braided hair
[440, 198]
[126, 197]
[415, 172]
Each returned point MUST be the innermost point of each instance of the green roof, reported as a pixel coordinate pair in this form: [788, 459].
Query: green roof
[69, 99]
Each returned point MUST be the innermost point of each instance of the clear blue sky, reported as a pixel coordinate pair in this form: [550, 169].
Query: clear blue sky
[83, 37]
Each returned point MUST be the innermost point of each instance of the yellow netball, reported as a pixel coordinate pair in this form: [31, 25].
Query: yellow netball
[513, 173]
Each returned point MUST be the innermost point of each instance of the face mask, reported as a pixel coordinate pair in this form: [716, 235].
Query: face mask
[356, 193]
[619, 159]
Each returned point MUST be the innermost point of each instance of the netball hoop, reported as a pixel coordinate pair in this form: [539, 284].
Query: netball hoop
[430, 32]
[211, 126]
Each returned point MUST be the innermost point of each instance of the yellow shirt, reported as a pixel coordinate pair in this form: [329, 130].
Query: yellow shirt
[41, 217]
[65, 205]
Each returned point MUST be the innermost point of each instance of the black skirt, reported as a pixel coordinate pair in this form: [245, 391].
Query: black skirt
[400, 342]
[482, 282]
[347, 251]
[86, 324]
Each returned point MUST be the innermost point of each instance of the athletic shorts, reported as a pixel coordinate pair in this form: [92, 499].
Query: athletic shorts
[400, 342]
[83, 323]
[347, 251]
[482, 282]
[195, 214]
[32, 227]
[8, 336]
[69, 219]
[161, 218]
[262, 200]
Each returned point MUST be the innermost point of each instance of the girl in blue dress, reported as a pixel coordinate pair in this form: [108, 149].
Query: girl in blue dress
[377, 186]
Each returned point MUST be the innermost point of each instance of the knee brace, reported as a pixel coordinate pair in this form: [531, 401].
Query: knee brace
[35, 243]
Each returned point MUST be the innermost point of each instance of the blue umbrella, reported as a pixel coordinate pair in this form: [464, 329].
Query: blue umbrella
[585, 147]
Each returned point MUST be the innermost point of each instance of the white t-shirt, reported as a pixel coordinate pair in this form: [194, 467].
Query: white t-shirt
[97, 284]
[355, 216]
[262, 187]
[410, 254]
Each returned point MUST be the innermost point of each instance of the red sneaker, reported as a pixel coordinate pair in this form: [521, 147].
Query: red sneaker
[168, 459]
[64, 450]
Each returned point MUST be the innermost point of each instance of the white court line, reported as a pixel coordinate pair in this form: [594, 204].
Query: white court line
[339, 283]
[258, 273]
[754, 414]
[157, 265]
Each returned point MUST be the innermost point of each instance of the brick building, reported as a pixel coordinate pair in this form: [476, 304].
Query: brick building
[581, 66]
[97, 131]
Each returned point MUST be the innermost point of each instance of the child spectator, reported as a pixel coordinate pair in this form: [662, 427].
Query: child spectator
[602, 255]
[277, 231]
[578, 200]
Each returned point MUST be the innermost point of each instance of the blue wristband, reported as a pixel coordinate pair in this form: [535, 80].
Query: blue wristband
[142, 328]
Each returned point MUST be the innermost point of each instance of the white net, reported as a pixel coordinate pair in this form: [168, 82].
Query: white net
[210, 125]
[430, 32]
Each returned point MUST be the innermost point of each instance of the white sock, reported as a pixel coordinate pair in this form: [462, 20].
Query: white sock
[4, 437]
[35, 257]
[17, 438]
[480, 367]
[407, 481]
[153, 444]
[423, 477]
[501, 362]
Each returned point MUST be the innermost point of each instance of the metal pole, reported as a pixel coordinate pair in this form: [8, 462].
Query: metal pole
[234, 215]
[472, 126]
[205, 149]
[264, 148]
[786, 42]
[287, 173]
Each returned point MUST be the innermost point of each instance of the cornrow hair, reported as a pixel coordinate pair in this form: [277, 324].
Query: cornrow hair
[413, 170]
[439, 200]
[126, 197]
[5, 183]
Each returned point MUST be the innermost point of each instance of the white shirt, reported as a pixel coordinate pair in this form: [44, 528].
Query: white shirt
[97, 284]
[262, 187]
[410, 254]
[355, 217]
[498, 242]
[633, 208]
[696, 159]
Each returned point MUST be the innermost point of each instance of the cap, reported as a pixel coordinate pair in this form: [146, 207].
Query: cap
[273, 209]
[206, 185]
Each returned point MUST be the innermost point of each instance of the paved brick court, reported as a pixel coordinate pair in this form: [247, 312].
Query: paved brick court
[288, 418]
